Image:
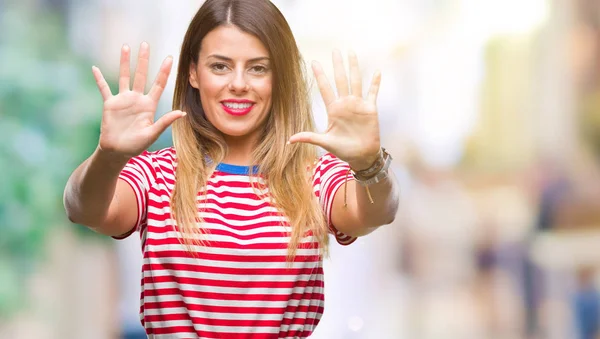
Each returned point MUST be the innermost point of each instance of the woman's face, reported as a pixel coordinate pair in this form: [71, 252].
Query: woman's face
[235, 81]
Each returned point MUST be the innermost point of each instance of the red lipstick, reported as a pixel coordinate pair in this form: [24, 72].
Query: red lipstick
[237, 107]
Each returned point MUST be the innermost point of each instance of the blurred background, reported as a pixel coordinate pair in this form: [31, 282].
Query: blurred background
[490, 108]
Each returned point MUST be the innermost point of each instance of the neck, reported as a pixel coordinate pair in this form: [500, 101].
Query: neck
[239, 151]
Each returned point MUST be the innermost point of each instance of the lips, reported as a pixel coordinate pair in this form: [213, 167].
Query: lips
[237, 107]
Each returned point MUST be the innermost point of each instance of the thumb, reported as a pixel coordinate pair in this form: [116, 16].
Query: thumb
[166, 120]
[310, 138]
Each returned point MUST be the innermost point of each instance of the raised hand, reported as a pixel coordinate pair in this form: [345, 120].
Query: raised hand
[353, 125]
[128, 127]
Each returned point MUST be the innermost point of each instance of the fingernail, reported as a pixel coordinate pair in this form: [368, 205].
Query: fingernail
[183, 114]
[287, 143]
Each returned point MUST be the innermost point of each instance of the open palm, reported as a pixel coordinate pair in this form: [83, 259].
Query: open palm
[128, 127]
[353, 125]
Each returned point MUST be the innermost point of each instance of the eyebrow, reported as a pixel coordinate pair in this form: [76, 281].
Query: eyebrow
[224, 58]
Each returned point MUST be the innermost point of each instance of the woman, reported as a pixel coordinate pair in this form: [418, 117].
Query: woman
[234, 219]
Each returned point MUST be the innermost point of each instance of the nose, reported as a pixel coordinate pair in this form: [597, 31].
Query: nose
[238, 83]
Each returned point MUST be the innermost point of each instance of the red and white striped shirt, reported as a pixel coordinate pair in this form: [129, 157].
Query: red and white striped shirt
[238, 284]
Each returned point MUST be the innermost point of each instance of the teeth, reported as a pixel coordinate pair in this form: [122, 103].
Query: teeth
[234, 105]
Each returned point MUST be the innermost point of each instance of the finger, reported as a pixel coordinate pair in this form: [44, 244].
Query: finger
[324, 86]
[161, 79]
[374, 89]
[141, 70]
[355, 78]
[310, 138]
[341, 81]
[101, 82]
[124, 69]
[165, 121]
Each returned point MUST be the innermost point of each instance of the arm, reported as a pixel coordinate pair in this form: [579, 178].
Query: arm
[360, 217]
[353, 136]
[94, 196]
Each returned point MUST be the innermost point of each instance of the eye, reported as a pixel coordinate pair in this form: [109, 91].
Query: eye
[258, 69]
[218, 67]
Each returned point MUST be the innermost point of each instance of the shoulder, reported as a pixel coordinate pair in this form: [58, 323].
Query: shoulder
[327, 158]
[326, 162]
[327, 169]
[155, 161]
[164, 156]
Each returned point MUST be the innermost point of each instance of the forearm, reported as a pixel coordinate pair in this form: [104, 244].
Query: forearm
[385, 197]
[91, 188]
[376, 202]
[363, 208]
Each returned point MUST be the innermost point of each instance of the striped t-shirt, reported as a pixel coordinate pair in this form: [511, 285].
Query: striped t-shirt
[238, 283]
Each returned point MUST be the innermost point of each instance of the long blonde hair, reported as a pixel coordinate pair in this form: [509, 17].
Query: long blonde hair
[285, 168]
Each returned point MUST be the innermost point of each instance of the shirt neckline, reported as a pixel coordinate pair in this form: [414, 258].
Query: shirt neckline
[236, 169]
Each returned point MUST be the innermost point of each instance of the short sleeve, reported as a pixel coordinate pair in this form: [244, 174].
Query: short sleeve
[330, 173]
[140, 174]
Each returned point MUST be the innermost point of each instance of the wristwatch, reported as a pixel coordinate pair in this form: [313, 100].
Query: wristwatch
[377, 172]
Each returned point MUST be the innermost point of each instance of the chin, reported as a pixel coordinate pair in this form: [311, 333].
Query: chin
[232, 131]
[235, 134]
[238, 129]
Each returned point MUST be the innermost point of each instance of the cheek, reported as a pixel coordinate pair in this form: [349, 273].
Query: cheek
[210, 85]
[265, 89]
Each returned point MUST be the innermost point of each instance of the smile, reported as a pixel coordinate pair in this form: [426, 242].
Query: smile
[237, 107]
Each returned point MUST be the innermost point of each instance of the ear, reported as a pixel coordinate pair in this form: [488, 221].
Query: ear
[193, 76]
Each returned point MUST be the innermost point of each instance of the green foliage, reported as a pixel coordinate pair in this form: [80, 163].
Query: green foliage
[50, 113]
[49, 123]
